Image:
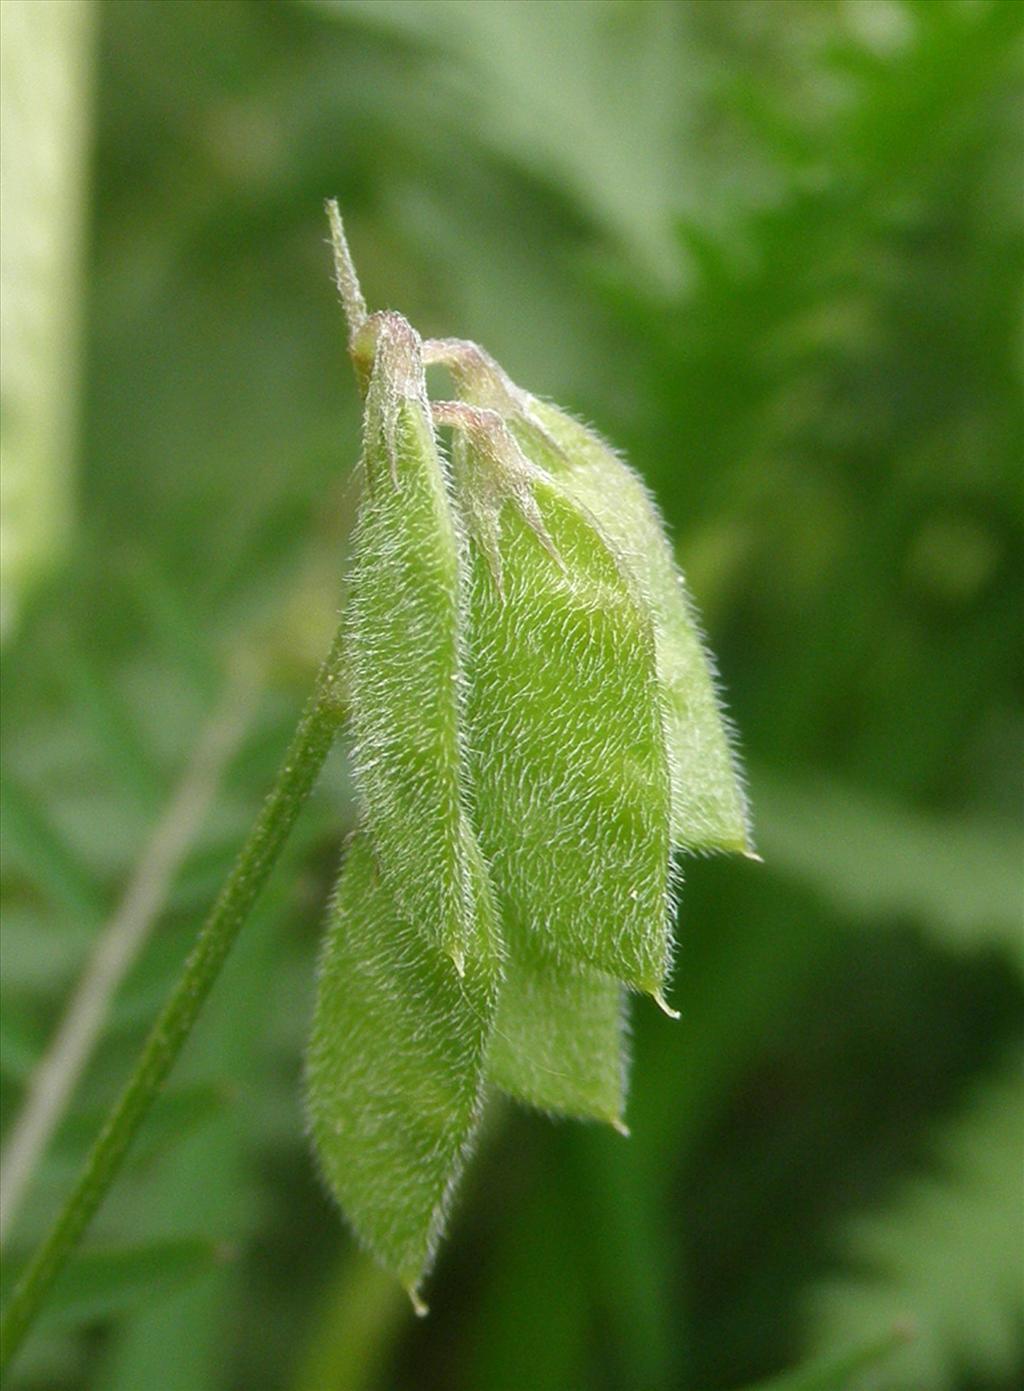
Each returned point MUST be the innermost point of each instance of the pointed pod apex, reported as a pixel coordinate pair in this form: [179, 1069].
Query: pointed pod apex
[620, 1126]
[387, 341]
[753, 855]
[663, 1004]
[389, 365]
[420, 1309]
[458, 957]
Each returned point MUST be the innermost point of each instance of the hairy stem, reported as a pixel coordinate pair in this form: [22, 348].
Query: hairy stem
[298, 773]
[117, 947]
[345, 277]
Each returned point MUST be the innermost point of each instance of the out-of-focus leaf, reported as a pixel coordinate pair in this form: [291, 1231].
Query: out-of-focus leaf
[175, 1114]
[20, 1043]
[100, 1283]
[630, 1252]
[945, 1258]
[533, 1329]
[546, 82]
[43, 950]
[961, 880]
[395, 1064]
[100, 707]
[36, 848]
[843, 1372]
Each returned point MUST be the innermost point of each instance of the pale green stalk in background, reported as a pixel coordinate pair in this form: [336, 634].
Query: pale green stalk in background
[116, 948]
[296, 777]
[45, 115]
[302, 763]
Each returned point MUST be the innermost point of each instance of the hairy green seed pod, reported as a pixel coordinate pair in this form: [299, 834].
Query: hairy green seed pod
[709, 807]
[571, 793]
[404, 648]
[395, 1065]
[559, 1041]
[535, 727]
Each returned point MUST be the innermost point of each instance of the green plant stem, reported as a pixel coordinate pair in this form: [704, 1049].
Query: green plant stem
[115, 948]
[298, 773]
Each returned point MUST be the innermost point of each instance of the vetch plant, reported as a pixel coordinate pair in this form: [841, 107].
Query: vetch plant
[534, 733]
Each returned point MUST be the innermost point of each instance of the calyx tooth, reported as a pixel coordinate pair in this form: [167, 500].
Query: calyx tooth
[481, 381]
[500, 472]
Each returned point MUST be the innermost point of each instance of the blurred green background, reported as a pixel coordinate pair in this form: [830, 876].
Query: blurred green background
[773, 249]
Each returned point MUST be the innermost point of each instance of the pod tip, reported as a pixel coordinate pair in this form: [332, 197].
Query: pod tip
[663, 1004]
[418, 1307]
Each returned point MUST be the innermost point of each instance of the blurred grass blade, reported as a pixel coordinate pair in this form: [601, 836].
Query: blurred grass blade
[630, 1250]
[20, 1041]
[360, 1317]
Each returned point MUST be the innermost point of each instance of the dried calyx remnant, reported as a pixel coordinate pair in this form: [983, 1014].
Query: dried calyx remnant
[535, 733]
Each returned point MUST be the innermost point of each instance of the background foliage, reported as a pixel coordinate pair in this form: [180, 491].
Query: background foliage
[774, 250]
